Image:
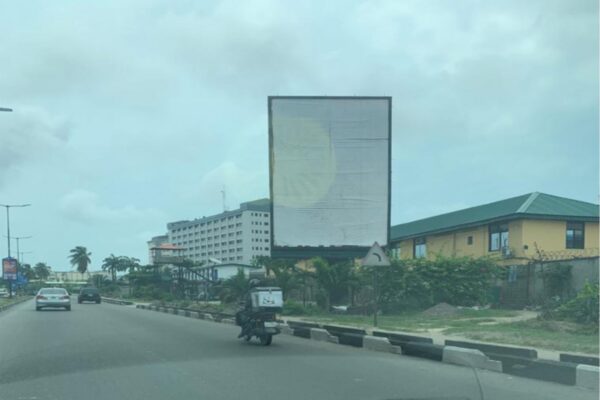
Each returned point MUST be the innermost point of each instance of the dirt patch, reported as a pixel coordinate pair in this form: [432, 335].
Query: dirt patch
[441, 310]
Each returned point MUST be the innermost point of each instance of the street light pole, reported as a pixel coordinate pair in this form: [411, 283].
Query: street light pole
[8, 206]
[21, 255]
[17, 238]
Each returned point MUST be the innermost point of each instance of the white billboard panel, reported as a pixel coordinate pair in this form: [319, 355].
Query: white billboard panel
[330, 171]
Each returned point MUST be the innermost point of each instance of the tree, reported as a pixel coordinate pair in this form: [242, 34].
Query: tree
[334, 279]
[129, 264]
[284, 271]
[234, 288]
[80, 257]
[27, 271]
[112, 264]
[42, 271]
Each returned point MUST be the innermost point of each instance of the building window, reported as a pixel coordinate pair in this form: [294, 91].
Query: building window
[498, 237]
[419, 248]
[395, 253]
[470, 240]
[575, 237]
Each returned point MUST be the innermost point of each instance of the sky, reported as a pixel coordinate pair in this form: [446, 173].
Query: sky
[131, 114]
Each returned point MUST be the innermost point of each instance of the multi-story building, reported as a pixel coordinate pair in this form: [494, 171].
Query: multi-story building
[534, 226]
[231, 236]
[155, 243]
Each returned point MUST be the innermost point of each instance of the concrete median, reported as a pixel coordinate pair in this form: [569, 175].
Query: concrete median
[587, 376]
[320, 335]
[377, 344]
[470, 357]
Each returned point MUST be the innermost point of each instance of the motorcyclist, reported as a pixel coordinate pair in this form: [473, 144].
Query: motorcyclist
[243, 317]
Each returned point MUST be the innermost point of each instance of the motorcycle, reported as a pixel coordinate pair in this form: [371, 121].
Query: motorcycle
[262, 325]
[259, 318]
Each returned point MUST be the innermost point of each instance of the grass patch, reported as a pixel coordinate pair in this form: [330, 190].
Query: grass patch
[6, 301]
[416, 321]
[552, 335]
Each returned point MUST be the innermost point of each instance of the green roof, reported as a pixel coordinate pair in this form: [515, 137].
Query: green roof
[533, 205]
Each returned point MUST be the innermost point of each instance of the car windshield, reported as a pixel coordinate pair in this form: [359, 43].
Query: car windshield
[300, 199]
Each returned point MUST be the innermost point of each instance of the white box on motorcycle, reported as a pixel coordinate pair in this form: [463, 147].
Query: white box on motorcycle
[266, 299]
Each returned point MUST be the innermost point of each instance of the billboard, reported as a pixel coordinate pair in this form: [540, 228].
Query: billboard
[9, 269]
[329, 174]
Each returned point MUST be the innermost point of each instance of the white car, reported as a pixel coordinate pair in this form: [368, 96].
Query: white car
[52, 297]
[3, 293]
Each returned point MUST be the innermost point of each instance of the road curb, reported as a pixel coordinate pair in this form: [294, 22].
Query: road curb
[470, 358]
[503, 359]
[117, 301]
[587, 376]
[376, 343]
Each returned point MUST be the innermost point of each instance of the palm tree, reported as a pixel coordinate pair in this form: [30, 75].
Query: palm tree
[112, 264]
[81, 258]
[234, 288]
[42, 271]
[334, 279]
[27, 271]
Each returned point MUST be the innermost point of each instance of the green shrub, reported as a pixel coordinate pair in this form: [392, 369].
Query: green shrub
[584, 307]
[293, 308]
[417, 284]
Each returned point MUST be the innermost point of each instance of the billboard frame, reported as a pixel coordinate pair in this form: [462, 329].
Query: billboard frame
[330, 252]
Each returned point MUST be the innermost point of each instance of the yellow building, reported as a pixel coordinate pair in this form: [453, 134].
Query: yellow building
[518, 230]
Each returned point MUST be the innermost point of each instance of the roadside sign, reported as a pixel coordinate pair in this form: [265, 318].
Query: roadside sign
[9, 269]
[376, 257]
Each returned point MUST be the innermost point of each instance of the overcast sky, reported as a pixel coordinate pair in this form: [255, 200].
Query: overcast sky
[130, 114]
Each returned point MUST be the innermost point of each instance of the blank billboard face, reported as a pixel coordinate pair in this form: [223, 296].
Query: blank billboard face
[330, 166]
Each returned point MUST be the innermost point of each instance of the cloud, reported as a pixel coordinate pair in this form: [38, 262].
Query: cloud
[30, 135]
[240, 185]
[85, 207]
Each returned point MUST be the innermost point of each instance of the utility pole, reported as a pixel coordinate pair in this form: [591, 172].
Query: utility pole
[17, 238]
[21, 255]
[8, 207]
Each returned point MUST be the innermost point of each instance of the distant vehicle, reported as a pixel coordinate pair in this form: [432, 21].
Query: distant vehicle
[3, 292]
[52, 297]
[89, 294]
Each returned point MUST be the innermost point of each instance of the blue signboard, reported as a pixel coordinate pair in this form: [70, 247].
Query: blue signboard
[21, 280]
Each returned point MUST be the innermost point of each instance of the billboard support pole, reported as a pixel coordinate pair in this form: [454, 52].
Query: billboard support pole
[10, 291]
[376, 290]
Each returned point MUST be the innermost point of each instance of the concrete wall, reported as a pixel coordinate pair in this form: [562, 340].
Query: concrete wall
[527, 284]
[550, 237]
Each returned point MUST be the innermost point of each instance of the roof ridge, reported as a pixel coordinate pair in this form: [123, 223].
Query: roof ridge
[569, 199]
[465, 209]
[528, 202]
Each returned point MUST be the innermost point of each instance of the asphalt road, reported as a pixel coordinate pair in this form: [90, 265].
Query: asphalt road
[119, 352]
